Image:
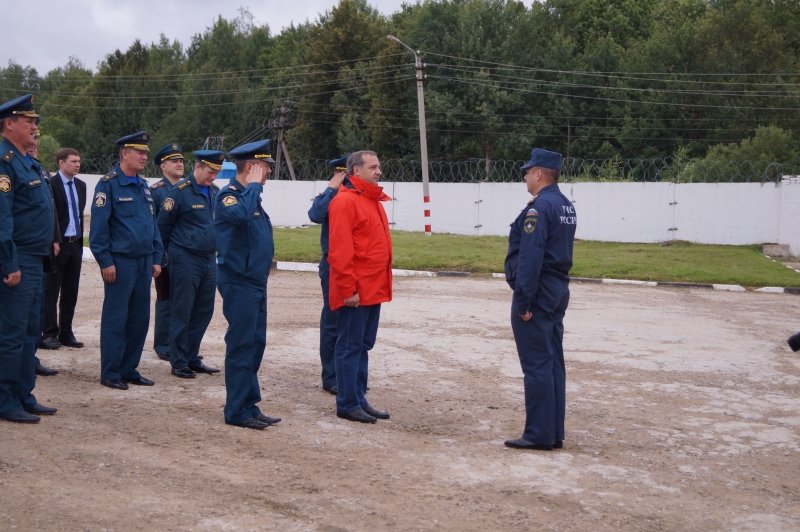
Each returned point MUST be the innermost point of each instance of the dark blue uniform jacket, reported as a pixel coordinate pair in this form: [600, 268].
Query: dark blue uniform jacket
[26, 209]
[244, 235]
[186, 218]
[318, 213]
[123, 220]
[159, 193]
[540, 245]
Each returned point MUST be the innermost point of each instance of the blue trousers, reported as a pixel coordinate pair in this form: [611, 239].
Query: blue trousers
[161, 329]
[541, 355]
[193, 281]
[327, 330]
[125, 318]
[358, 329]
[245, 308]
[20, 331]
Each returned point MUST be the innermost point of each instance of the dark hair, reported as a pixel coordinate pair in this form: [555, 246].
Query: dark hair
[550, 174]
[3, 121]
[357, 159]
[64, 153]
[241, 163]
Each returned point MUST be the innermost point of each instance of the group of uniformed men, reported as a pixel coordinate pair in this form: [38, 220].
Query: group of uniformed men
[195, 238]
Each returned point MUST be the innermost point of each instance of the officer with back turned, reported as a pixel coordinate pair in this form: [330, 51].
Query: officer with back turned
[537, 270]
[170, 160]
[318, 213]
[186, 224]
[26, 233]
[244, 238]
[125, 242]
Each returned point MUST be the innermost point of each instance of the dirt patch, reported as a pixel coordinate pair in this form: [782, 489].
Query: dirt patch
[682, 414]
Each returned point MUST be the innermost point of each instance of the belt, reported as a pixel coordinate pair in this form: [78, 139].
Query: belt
[73, 238]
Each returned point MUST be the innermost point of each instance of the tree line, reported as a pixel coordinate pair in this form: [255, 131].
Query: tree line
[589, 78]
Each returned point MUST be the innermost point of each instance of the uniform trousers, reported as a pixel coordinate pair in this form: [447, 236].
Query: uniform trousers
[20, 331]
[357, 329]
[245, 307]
[64, 282]
[327, 330]
[161, 329]
[541, 355]
[125, 318]
[193, 281]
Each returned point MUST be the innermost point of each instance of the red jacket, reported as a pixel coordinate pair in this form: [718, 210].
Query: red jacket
[360, 253]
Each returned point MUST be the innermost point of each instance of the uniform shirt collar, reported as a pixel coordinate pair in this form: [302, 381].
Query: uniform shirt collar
[64, 179]
[239, 186]
[123, 178]
[27, 162]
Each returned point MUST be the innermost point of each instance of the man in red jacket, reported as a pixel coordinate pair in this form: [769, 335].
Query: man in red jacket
[360, 259]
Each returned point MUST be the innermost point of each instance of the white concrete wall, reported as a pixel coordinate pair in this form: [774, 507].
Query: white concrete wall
[706, 213]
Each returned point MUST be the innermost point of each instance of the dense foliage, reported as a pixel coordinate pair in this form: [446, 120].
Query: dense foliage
[591, 78]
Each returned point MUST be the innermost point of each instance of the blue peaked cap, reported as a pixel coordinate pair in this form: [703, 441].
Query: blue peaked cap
[22, 106]
[137, 141]
[544, 158]
[253, 150]
[340, 163]
[212, 158]
[170, 151]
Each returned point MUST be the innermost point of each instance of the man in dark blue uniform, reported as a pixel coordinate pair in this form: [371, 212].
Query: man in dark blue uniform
[26, 234]
[244, 239]
[170, 159]
[186, 224]
[318, 213]
[537, 269]
[125, 242]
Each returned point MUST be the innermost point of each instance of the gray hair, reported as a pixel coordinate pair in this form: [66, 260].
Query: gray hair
[357, 159]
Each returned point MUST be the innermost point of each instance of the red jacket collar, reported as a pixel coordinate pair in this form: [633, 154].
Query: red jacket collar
[367, 189]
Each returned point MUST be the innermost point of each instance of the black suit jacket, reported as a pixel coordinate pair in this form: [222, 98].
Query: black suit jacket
[62, 206]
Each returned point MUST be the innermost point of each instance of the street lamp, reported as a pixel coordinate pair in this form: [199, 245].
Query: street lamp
[423, 137]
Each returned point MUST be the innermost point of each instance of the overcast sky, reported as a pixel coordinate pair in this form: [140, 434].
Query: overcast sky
[45, 33]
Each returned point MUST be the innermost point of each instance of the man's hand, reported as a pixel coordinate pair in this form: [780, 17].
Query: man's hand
[13, 278]
[352, 301]
[337, 179]
[525, 317]
[109, 274]
[56, 248]
[255, 174]
[156, 270]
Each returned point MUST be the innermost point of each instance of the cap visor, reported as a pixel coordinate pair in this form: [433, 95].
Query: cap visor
[527, 165]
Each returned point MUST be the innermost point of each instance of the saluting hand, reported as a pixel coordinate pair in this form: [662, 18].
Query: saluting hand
[109, 274]
[255, 174]
[156, 270]
[13, 278]
[337, 180]
[525, 317]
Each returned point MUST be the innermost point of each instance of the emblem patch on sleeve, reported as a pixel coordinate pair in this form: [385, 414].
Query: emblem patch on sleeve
[99, 199]
[229, 200]
[168, 204]
[529, 224]
[5, 183]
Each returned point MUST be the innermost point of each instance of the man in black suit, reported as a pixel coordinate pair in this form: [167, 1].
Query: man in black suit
[69, 195]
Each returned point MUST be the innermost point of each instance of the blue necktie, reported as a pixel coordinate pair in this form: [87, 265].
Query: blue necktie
[74, 206]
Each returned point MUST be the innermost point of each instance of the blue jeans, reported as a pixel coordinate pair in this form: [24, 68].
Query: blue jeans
[327, 330]
[245, 308]
[193, 280]
[358, 329]
[126, 318]
[541, 355]
[20, 331]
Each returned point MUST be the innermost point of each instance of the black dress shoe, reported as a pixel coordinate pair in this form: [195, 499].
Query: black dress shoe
[21, 417]
[525, 444]
[117, 384]
[163, 356]
[375, 413]
[333, 390]
[357, 415]
[268, 420]
[559, 444]
[202, 368]
[794, 342]
[70, 341]
[49, 342]
[253, 423]
[44, 371]
[139, 381]
[183, 373]
[41, 410]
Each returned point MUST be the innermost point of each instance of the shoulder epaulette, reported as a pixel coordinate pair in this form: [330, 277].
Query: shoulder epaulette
[108, 176]
[157, 185]
[184, 184]
[7, 156]
[215, 186]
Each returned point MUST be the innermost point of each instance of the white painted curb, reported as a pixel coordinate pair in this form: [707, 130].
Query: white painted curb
[499, 275]
[87, 255]
[729, 288]
[412, 273]
[298, 266]
[771, 290]
[626, 281]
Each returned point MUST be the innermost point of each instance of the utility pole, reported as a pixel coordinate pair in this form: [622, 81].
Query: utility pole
[423, 137]
[283, 111]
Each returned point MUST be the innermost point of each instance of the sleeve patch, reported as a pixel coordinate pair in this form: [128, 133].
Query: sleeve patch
[99, 199]
[169, 203]
[229, 200]
[529, 224]
[5, 183]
